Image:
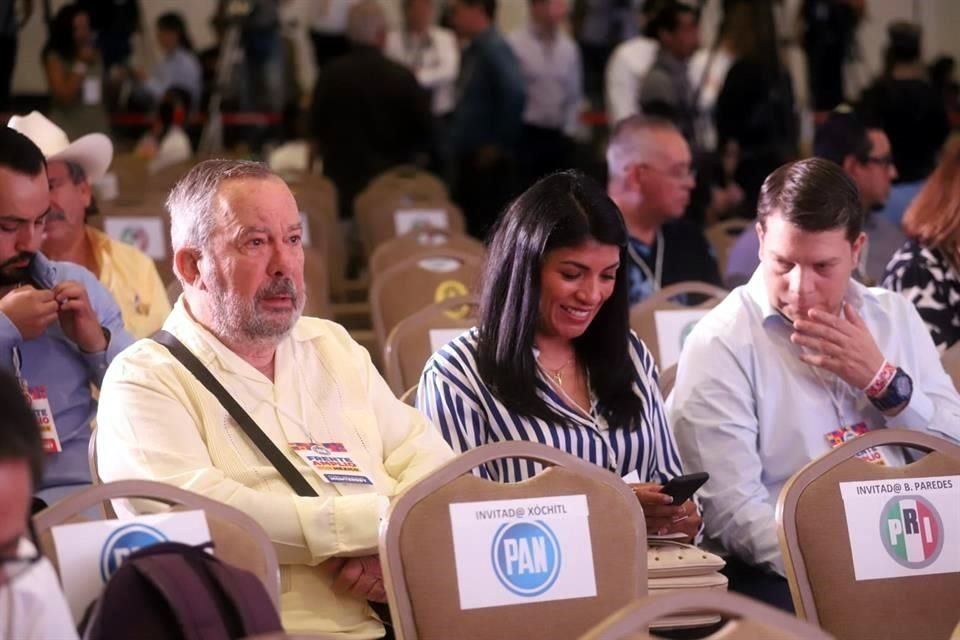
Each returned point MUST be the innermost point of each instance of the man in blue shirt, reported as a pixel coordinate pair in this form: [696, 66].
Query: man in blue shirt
[487, 120]
[59, 328]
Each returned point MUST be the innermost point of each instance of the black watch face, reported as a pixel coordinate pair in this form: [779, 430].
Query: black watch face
[902, 385]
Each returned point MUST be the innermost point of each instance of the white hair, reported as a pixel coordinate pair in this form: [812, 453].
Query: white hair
[366, 23]
[632, 141]
[192, 203]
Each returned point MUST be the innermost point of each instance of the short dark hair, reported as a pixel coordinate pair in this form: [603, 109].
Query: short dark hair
[904, 43]
[842, 134]
[814, 195]
[19, 433]
[665, 16]
[173, 21]
[489, 6]
[561, 210]
[19, 154]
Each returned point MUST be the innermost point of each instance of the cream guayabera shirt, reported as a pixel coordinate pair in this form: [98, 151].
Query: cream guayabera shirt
[157, 422]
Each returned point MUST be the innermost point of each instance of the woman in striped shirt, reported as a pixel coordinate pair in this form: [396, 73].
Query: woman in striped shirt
[553, 359]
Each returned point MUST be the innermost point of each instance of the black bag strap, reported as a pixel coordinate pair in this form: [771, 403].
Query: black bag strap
[276, 457]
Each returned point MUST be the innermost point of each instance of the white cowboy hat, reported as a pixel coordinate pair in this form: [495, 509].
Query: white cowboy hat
[93, 152]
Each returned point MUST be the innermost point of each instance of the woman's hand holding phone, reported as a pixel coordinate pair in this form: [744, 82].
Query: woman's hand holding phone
[662, 516]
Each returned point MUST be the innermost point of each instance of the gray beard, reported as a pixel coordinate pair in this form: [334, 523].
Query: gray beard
[240, 320]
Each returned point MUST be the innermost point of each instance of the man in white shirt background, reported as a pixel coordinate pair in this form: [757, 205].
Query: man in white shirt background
[32, 607]
[794, 363]
[550, 63]
[429, 51]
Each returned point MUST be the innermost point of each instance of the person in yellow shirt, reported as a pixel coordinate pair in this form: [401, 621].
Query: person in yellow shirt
[127, 273]
[236, 236]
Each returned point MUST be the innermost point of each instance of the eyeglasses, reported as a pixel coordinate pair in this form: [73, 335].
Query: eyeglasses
[883, 161]
[677, 173]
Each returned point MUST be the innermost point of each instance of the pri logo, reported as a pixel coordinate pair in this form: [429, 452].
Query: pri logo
[912, 531]
[526, 557]
[137, 236]
[123, 542]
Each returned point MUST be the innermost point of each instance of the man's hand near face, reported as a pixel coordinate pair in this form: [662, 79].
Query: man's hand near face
[841, 345]
[30, 310]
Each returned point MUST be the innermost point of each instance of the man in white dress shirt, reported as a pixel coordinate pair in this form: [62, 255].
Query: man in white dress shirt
[429, 51]
[799, 360]
[550, 63]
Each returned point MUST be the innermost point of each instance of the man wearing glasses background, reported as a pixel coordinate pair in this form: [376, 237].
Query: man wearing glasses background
[864, 152]
[650, 179]
[32, 606]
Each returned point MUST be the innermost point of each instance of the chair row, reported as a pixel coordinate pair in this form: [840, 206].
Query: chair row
[590, 518]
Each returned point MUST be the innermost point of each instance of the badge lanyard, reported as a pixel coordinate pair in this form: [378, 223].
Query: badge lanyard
[835, 398]
[657, 276]
[18, 365]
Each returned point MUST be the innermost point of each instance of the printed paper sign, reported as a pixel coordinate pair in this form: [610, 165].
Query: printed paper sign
[521, 551]
[405, 220]
[143, 232]
[90, 552]
[673, 327]
[905, 527]
[305, 232]
[440, 337]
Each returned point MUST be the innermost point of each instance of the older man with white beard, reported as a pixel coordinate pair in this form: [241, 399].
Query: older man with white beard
[307, 386]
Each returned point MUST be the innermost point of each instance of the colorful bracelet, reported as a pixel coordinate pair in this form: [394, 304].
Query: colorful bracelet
[881, 380]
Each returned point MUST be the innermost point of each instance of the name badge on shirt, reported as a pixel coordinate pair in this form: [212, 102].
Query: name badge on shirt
[846, 434]
[331, 462]
[44, 416]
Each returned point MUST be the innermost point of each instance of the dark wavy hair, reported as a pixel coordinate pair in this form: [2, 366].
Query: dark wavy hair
[61, 39]
[564, 209]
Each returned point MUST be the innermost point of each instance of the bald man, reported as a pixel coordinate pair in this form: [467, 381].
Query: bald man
[650, 179]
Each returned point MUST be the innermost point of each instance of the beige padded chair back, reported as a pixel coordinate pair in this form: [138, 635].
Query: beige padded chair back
[404, 179]
[817, 556]
[748, 619]
[317, 199]
[410, 396]
[377, 223]
[418, 282]
[419, 242]
[238, 539]
[317, 285]
[410, 343]
[951, 363]
[722, 237]
[416, 549]
[643, 316]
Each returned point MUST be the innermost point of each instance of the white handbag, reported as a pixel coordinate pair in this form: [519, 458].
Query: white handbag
[676, 566]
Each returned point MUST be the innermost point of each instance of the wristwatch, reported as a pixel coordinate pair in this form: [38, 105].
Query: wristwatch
[898, 392]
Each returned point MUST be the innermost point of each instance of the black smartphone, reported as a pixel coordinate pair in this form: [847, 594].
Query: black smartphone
[682, 488]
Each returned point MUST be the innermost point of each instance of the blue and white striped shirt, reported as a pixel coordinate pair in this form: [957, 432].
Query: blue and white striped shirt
[468, 415]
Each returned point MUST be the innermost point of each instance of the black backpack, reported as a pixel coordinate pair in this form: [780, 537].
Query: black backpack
[174, 591]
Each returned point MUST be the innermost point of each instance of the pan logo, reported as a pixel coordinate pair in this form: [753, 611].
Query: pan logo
[526, 557]
[912, 531]
[123, 542]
